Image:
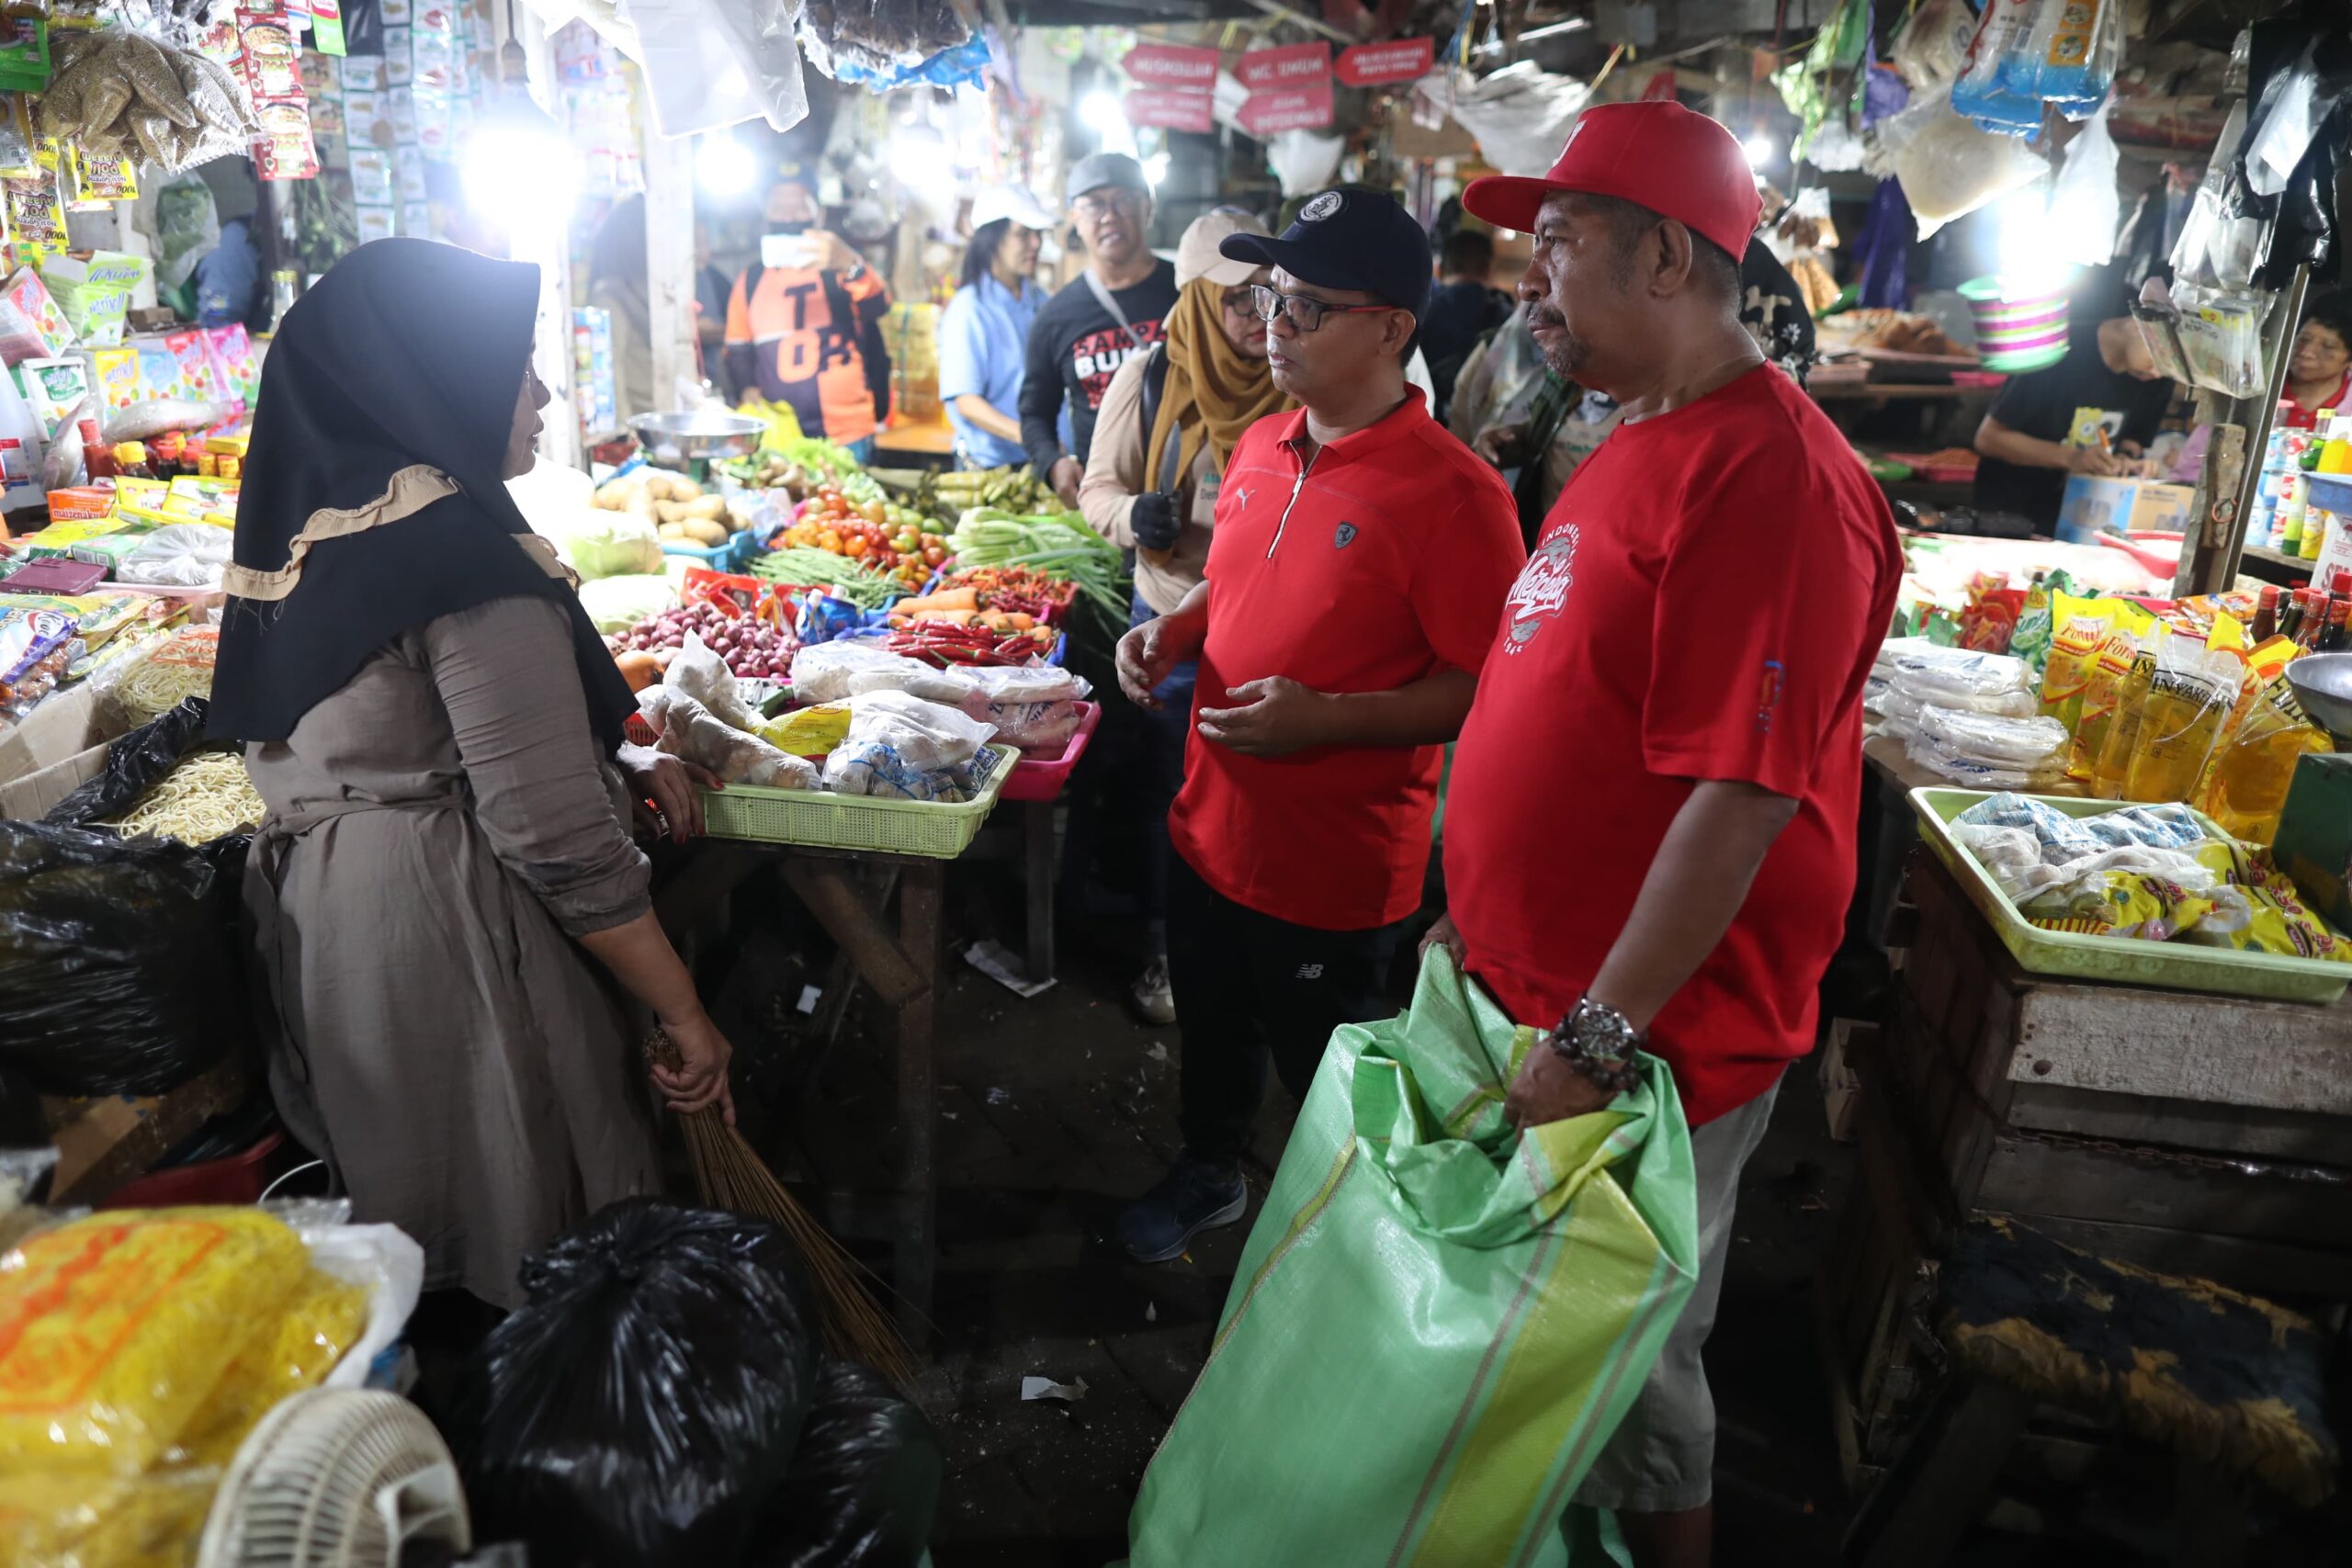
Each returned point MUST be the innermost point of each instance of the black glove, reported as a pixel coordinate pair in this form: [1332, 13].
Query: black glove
[1154, 521]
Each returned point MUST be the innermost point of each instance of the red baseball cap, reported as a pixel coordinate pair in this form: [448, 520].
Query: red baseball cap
[1674, 161]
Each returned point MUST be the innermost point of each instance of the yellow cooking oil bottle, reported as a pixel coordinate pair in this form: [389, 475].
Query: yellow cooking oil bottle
[2122, 734]
[2189, 695]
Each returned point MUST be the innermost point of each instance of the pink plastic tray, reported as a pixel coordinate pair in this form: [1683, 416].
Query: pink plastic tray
[1036, 779]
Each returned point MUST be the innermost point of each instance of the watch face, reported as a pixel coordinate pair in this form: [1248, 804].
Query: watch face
[1602, 1031]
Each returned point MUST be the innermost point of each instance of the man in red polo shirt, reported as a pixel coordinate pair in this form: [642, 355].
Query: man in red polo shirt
[1355, 575]
[1649, 838]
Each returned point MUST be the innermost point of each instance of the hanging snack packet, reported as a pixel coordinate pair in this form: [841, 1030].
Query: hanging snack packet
[2030, 641]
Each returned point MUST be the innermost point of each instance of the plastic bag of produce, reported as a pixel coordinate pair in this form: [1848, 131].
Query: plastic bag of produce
[701, 674]
[863, 1482]
[1947, 167]
[114, 1328]
[617, 604]
[644, 1405]
[135, 764]
[1034, 707]
[833, 671]
[615, 544]
[119, 970]
[685, 729]
[1437, 1320]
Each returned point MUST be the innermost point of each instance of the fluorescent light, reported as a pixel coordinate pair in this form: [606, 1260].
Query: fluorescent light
[1549, 30]
[724, 165]
[519, 166]
[1760, 149]
[1099, 111]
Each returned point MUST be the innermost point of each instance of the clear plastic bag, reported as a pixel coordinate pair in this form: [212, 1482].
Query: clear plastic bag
[687, 730]
[836, 671]
[1948, 167]
[698, 673]
[2221, 337]
[180, 555]
[2029, 745]
[1933, 673]
[710, 63]
[2214, 247]
[2085, 208]
[1933, 45]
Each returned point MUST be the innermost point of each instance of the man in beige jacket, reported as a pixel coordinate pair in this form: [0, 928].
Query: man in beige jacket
[1167, 422]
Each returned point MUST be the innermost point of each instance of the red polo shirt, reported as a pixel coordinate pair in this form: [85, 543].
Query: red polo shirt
[1705, 604]
[1380, 560]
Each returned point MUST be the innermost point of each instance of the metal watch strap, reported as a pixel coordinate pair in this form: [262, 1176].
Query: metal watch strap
[1615, 1072]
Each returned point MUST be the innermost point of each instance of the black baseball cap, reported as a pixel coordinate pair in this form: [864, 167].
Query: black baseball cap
[1349, 238]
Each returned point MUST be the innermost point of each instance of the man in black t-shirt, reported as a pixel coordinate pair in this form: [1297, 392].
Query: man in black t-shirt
[1077, 346]
[2024, 442]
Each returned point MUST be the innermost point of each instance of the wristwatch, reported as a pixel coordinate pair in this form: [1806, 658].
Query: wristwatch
[1599, 1042]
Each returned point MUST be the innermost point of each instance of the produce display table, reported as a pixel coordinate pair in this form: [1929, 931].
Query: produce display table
[928, 446]
[2194, 1135]
[107, 1142]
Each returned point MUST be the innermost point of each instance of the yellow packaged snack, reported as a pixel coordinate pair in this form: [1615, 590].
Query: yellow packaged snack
[2080, 628]
[2268, 920]
[2123, 903]
[114, 1328]
[90, 1519]
[322, 1320]
[807, 732]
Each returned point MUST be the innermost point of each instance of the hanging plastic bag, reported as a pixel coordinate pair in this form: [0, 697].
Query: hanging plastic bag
[2220, 331]
[2085, 209]
[711, 64]
[1933, 45]
[1947, 167]
[2282, 129]
[2215, 246]
[1521, 114]
[643, 1407]
[863, 1482]
[1435, 1324]
[120, 972]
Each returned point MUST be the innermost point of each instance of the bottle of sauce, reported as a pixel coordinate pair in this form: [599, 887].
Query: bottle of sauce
[2338, 638]
[2266, 614]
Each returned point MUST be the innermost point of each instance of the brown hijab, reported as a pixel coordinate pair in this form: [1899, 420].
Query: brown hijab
[1214, 390]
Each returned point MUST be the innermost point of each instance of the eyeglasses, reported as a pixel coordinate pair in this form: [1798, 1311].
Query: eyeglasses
[1093, 206]
[1239, 301]
[1304, 314]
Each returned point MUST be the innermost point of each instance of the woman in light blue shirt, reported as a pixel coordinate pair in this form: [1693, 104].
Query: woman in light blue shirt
[984, 332]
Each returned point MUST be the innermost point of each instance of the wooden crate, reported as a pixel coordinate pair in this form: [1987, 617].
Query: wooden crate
[2194, 1135]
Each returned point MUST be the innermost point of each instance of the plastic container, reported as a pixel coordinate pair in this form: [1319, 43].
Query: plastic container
[732, 556]
[1038, 778]
[240, 1178]
[2121, 961]
[2017, 334]
[819, 821]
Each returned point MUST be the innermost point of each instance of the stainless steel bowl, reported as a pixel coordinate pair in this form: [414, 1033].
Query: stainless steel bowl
[2323, 682]
[671, 438]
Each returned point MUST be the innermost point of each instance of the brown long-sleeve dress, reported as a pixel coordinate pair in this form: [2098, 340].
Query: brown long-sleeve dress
[438, 830]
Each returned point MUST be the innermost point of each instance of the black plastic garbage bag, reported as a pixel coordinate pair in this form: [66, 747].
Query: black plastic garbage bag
[135, 764]
[643, 1407]
[864, 1485]
[119, 968]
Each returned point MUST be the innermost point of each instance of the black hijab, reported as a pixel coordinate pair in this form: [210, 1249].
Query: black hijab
[408, 355]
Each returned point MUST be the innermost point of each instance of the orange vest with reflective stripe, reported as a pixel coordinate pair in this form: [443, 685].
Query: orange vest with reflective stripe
[806, 347]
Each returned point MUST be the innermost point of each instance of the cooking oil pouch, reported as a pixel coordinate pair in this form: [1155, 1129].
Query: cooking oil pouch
[2111, 763]
[2191, 693]
[2101, 697]
[2120, 903]
[114, 1328]
[2253, 766]
[2081, 626]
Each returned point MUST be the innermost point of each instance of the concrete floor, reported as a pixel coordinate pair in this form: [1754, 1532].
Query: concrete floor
[1056, 1110]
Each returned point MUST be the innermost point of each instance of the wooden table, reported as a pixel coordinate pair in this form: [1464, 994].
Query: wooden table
[2193, 1134]
[928, 446]
[850, 892]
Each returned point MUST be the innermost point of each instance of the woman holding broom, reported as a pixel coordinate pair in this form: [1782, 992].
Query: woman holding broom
[451, 914]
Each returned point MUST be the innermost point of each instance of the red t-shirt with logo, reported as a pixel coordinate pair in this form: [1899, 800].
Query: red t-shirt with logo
[1376, 562]
[1705, 602]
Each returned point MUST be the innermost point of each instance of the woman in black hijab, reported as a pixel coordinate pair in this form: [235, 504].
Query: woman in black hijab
[449, 905]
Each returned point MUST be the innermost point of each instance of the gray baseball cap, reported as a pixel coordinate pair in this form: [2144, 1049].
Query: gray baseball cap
[1101, 169]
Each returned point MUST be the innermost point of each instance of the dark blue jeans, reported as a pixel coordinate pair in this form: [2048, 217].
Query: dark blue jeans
[1164, 734]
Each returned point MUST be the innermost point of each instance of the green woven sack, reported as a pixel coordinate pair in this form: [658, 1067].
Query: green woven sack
[1438, 1321]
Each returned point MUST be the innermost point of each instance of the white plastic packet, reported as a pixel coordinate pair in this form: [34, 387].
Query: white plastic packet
[2028, 745]
[688, 731]
[834, 671]
[180, 555]
[701, 674]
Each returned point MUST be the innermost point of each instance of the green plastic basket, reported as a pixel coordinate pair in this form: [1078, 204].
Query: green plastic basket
[818, 820]
[2121, 961]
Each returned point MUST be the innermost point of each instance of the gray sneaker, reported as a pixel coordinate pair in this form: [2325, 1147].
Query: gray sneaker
[1154, 1000]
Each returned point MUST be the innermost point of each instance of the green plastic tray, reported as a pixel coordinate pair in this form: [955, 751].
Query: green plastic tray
[819, 821]
[2121, 961]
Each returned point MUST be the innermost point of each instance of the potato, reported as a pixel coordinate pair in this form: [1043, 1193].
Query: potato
[672, 534]
[704, 531]
[709, 507]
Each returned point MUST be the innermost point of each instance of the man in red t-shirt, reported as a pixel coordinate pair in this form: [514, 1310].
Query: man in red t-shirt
[1355, 574]
[1649, 836]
